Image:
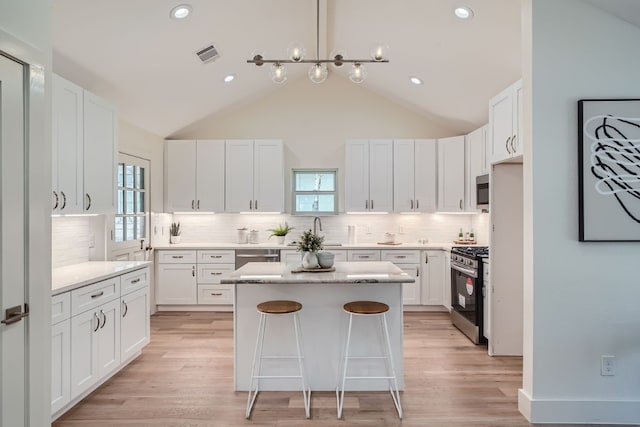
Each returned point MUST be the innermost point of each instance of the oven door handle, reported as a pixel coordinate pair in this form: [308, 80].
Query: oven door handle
[466, 271]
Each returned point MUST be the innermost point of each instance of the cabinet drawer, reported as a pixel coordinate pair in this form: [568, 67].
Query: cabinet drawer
[91, 296]
[177, 257]
[339, 256]
[400, 256]
[210, 273]
[135, 280]
[363, 255]
[290, 256]
[215, 294]
[216, 257]
[60, 307]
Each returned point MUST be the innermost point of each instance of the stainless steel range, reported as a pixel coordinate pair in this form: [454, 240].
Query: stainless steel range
[466, 290]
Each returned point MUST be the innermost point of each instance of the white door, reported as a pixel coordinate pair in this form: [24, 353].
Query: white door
[381, 175]
[180, 176]
[13, 334]
[517, 143]
[403, 175]
[100, 154]
[268, 176]
[239, 176]
[426, 175]
[356, 196]
[109, 338]
[177, 284]
[501, 125]
[451, 174]
[475, 162]
[60, 365]
[433, 278]
[84, 351]
[210, 176]
[129, 227]
[411, 291]
[135, 323]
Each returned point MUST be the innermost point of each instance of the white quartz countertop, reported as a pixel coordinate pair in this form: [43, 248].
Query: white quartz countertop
[70, 277]
[414, 246]
[346, 272]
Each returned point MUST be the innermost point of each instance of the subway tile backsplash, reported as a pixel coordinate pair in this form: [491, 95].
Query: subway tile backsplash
[69, 240]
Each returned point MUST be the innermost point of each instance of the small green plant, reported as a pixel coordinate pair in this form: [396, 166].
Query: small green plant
[310, 242]
[175, 229]
[280, 230]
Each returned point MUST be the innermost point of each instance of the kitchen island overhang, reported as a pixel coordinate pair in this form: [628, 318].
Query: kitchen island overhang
[323, 323]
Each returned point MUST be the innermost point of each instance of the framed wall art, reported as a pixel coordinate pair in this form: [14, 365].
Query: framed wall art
[609, 169]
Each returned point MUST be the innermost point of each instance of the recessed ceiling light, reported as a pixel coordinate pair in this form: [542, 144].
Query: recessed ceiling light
[181, 11]
[229, 78]
[463, 12]
[415, 80]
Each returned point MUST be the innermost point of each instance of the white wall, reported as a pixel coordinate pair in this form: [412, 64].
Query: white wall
[583, 297]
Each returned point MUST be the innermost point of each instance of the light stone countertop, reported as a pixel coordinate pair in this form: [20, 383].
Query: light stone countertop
[405, 246]
[64, 279]
[346, 272]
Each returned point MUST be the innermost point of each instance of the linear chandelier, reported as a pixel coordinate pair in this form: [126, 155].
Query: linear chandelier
[318, 72]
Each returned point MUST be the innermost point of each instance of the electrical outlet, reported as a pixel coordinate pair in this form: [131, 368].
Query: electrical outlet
[92, 241]
[607, 365]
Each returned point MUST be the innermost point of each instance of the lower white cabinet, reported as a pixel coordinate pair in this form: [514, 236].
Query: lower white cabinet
[411, 291]
[134, 325]
[60, 365]
[433, 281]
[177, 284]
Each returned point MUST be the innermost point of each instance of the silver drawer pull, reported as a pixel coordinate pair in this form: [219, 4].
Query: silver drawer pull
[363, 256]
[177, 256]
[215, 274]
[400, 256]
[215, 256]
[135, 280]
[216, 294]
[99, 294]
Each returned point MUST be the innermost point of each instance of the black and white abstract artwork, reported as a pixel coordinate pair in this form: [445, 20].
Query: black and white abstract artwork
[609, 169]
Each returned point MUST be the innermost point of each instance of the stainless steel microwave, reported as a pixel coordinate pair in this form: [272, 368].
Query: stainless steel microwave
[482, 192]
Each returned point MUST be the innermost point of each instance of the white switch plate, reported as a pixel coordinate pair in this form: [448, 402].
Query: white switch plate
[607, 365]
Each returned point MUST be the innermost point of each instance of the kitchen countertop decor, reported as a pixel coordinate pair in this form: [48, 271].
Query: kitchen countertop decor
[415, 246]
[74, 276]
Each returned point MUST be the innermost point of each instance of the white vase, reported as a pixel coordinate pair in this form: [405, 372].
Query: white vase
[280, 239]
[174, 239]
[310, 260]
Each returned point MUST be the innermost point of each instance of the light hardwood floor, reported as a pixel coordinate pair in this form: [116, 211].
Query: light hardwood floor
[185, 378]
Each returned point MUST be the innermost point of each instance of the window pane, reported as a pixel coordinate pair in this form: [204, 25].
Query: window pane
[129, 202]
[120, 174]
[120, 202]
[129, 176]
[140, 228]
[119, 231]
[315, 181]
[139, 201]
[315, 202]
[139, 177]
[130, 224]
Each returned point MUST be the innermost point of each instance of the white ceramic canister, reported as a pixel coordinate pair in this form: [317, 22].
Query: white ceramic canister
[253, 236]
[243, 236]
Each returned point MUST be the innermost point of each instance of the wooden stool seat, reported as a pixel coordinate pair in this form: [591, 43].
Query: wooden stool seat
[279, 307]
[366, 307]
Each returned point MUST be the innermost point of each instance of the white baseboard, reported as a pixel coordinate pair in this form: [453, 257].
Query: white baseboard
[437, 308]
[556, 411]
[224, 308]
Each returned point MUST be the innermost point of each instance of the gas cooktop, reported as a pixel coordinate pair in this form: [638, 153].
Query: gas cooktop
[471, 251]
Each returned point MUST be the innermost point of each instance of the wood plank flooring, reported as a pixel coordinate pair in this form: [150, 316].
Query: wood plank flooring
[185, 378]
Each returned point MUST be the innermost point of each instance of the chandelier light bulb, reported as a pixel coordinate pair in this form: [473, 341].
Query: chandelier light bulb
[318, 73]
[278, 73]
[357, 73]
[296, 52]
[379, 52]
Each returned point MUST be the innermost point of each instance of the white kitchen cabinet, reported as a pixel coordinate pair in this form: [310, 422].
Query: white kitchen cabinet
[414, 175]
[369, 175]
[134, 325]
[177, 284]
[476, 164]
[486, 300]
[447, 281]
[409, 262]
[84, 148]
[109, 339]
[67, 146]
[194, 176]
[60, 365]
[254, 176]
[433, 281]
[451, 174]
[100, 155]
[363, 255]
[505, 121]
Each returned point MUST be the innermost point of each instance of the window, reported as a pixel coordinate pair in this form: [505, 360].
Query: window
[314, 192]
[130, 219]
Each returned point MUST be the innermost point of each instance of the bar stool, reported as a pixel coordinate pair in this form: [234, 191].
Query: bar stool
[369, 309]
[277, 308]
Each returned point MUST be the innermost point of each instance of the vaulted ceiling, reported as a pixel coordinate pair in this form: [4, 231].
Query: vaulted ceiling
[145, 62]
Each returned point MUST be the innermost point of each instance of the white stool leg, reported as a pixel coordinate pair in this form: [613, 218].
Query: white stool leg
[396, 397]
[259, 341]
[340, 392]
[306, 393]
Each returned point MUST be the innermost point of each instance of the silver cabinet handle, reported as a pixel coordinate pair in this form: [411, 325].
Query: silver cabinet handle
[99, 294]
[57, 200]
[366, 204]
[193, 271]
[215, 274]
[364, 256]
[426, 259]
[255, 205]
[417, 272]
[177, 256]
[460, 204]
[506, 144]
[215, 256]
[64, 200]
[135, 280]
[514, 144]
[400, 256]
[193, 204]
[104, 319]
[95, 315]
[411, 203]
[216, 294]
[371, 204]
[88, 201]
[126, 308]
[250, 205]
[198, 205]
[417, 204]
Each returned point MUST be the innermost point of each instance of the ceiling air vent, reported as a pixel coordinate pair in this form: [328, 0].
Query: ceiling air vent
[208, 54]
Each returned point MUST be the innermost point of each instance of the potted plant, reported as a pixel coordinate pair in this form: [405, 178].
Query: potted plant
[310, 243]
[280, 232]
[174, 232]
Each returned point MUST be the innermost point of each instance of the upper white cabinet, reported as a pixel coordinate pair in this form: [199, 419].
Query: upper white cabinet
[505, 121]
[478, 163]
[369, 176]
[84, 148]
[451, 174]
[194, 176]
[254, 178]
[414, 175]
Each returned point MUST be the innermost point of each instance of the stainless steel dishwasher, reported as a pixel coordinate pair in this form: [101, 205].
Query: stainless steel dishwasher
[244, 256]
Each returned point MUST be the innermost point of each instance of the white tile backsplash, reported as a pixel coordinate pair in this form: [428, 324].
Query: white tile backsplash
[70, 240]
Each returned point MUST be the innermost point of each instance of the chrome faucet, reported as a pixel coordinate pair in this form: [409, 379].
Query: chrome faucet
[316, 221]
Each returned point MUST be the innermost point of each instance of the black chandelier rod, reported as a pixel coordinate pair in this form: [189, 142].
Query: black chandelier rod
[260, 61]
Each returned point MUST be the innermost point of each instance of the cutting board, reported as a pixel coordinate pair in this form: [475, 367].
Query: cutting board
[390, 243]
[313, 270]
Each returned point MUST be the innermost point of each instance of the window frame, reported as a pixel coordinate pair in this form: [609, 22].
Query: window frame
[295, 193]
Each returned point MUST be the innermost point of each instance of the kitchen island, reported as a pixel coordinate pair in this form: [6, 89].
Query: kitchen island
[322, 319]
